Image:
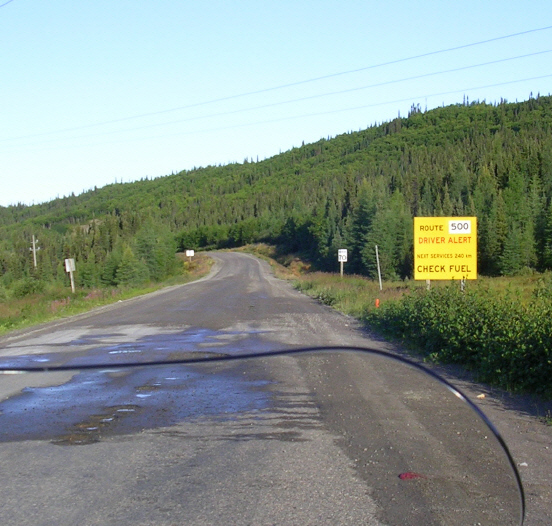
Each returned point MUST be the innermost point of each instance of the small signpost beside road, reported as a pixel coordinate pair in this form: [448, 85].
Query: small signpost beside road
[445, 248]
[190, 254]
[342, 258]
[70, 268]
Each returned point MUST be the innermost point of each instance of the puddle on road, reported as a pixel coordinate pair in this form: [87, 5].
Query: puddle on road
[97, 404]
[123, 347]
[93, 405]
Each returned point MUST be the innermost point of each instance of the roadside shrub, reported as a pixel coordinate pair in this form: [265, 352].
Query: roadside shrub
[503, 341]
[27, 286]
[3, 294]
[328, 296]
[543, 290]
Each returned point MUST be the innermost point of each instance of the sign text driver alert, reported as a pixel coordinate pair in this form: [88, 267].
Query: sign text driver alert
[445, 248]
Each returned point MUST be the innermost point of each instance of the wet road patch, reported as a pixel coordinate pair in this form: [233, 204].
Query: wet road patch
[94, 405]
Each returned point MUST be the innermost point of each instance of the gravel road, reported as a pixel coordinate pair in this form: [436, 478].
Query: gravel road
[309, 439]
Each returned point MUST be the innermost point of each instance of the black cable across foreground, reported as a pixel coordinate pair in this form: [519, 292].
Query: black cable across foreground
[287, 352]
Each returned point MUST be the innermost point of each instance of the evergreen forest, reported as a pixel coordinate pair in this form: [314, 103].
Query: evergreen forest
[353, 191]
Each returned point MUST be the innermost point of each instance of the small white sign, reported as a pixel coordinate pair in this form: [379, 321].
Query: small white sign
[70, 265]
[342, 255]
[190, 253]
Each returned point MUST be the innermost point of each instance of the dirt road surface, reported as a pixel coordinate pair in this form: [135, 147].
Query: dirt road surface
[332, 438]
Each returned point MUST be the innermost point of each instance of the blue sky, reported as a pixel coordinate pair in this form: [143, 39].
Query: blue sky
[93, 92]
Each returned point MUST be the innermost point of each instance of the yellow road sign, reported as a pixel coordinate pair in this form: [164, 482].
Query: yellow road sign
[445, 248]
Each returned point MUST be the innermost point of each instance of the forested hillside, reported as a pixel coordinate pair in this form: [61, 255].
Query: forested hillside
[353, 191]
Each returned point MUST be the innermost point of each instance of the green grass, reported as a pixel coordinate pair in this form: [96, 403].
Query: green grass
[354, 295]
[58, 302]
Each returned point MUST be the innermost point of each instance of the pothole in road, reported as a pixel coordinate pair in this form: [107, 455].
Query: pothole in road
[90, 430]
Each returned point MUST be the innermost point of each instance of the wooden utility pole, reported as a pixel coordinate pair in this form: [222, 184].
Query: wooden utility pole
[379, 269]
[33, 249]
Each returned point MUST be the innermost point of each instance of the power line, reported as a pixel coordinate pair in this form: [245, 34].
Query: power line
[283, 86]
[6, 3]
[312, 97]
[341, 92]
[322, 113]
[364, 106]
